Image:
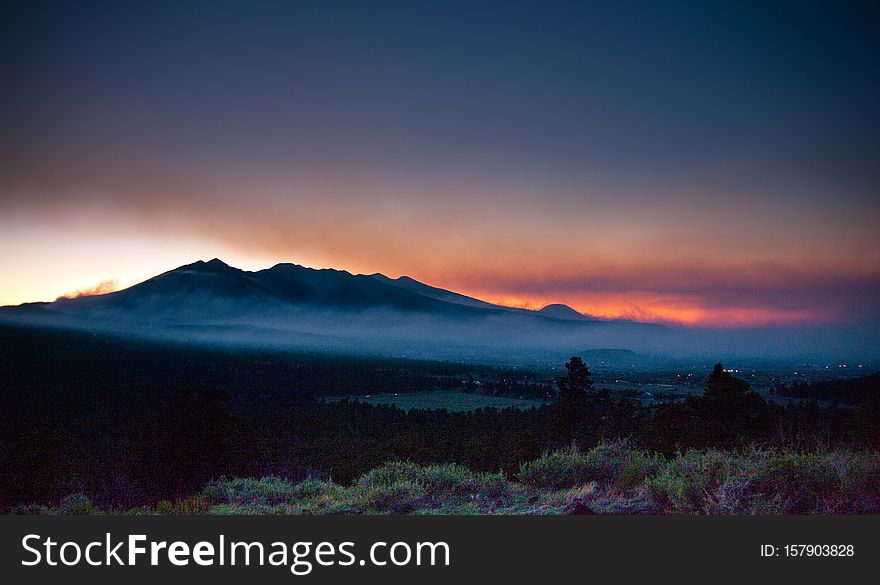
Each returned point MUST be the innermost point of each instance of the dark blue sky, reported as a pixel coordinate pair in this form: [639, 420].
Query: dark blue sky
[565, 87]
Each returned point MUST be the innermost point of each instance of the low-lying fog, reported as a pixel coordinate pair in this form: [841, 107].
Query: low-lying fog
[494, 337]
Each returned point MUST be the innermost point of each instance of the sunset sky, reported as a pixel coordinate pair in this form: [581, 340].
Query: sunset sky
[713, 165]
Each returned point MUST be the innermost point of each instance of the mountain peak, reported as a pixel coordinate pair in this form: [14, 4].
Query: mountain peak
[399, 280]
[213, 265]
[214, 262]
[560, 311]
[285, 266]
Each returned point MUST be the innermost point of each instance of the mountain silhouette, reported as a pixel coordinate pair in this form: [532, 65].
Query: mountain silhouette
[206, 286]
[564, 312]
[211, 284]
[289, 305]
[412, 285]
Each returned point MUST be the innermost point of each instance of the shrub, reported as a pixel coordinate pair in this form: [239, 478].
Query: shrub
[557, 470]
[613, 464]
[77, 505]
[192, 506]
[248, 490]
[389, 474]
[768, 482]
[436, 479]
[399, 497]
[636, 469]
[681, 485]
[611, 478]
[636, 502]
[268, 491]
[312, 488]
[30, 510]
[803, 483]
[860, 482]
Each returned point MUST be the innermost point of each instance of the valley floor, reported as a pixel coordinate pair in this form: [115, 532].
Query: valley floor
[443, 400]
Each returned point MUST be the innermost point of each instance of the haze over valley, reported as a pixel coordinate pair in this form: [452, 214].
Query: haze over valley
[291, 307]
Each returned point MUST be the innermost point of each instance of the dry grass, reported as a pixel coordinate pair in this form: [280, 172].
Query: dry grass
[611, 478]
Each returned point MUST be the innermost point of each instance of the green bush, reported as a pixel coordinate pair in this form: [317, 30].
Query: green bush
[435, 479]
[769, 482]
[614, 464]
[313, 488]
[557, 470]
[77, 505]
[636, 469]
[192, 506]
[31, 510]
[400, 497]
[267, 491]
[860, 482]
[611, 478]
[683, 483]
[799, 483]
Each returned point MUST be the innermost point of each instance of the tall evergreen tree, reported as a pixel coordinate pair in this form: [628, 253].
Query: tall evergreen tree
[569, 412]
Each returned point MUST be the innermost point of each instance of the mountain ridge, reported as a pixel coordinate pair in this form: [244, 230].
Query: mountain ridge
[300, 285]
[296, 307]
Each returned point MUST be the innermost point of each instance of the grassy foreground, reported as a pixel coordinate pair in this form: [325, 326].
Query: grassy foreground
[612, 478]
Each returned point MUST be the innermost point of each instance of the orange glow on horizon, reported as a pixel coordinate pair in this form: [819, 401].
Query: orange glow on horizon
[644, 307]
[80, 261]
[669, 311]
